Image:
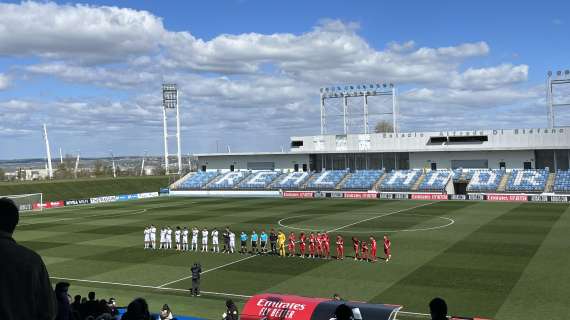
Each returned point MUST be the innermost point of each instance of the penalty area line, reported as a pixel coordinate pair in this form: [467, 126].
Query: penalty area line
[209, 270]
[120, 284]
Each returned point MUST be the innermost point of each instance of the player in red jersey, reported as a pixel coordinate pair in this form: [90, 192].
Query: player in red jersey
[302, 239]
[355, 243]
[373, 249]
[327, 245]
[291, 245]
[387, 245]
[339, 247]
[319, 244]
[364, 248]
[312, 241]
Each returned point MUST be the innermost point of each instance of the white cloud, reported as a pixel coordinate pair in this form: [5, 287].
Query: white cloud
[237, 87]
[4, 81]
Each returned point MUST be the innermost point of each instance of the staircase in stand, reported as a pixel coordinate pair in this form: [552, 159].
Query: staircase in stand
[416, 185]
[376, 185]
[503, 184]
[343, 180]
[178, 182]
[550, 182]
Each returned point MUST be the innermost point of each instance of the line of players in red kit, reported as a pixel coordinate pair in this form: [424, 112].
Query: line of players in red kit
[319, 247]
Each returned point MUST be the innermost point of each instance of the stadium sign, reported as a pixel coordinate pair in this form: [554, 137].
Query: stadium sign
[336, 194]
[48, 205]
[476, 196]
[507, 197]
[428, 196]
[538, 198]
[386, 196]
[146, 195]
[361, 195]
[105, 199]
[401, 196]
[457, 197]
[298, 194]
[559, 198]
[77, 202]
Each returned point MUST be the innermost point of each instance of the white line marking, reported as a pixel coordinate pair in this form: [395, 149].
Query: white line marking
[150, 287]
[86, 216]
[380, 216]
[209, 270]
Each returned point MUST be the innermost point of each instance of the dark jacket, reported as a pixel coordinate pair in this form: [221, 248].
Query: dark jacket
[232, 313]
[63, 306]
[196, 270]
[25, 290]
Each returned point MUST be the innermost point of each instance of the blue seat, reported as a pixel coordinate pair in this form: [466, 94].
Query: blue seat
[562, 181]
[527, 181]
[400, 180]
[435, 181]
[362, 180]
[198, 180]
[485, 180]
[327, 179]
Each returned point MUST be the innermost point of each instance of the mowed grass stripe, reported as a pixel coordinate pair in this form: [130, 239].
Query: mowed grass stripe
[542, 291]
[464, 282]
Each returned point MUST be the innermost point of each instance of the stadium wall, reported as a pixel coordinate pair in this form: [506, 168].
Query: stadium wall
[285, 161]
[512, 158]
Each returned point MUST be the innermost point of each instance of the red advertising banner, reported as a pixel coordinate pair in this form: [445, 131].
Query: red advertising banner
[360, 195]
[298, 194]
[279, 307]
[507, 197]
[48, 205]
[428, 196]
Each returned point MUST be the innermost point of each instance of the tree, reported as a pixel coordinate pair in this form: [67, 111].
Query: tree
[99, 168]
[2, 174]
[383, 126]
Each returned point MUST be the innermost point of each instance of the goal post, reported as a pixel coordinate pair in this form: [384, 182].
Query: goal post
[27, 202]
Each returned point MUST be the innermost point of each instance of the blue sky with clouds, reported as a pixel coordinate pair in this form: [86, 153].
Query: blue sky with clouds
[250, 71]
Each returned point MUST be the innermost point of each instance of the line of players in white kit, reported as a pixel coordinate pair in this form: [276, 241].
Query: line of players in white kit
[181, 236]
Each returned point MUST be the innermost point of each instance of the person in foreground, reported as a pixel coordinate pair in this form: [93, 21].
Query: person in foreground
[231, 311]
[438, 309]
[25, 290]
[137, 310]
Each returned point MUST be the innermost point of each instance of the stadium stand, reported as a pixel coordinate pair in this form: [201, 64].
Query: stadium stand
[291, 180]
[435, 181]
[259, 180]
[527, 180]
[485, 180]
[326, 179]
[198, 180]
[562, 181]
[362, 180]
[400, 180]
[228, 180]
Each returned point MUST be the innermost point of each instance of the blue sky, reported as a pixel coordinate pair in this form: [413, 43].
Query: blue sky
[250, 71]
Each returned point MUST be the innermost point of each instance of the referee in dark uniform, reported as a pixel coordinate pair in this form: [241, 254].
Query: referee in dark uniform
[273, 241]
[196, 272]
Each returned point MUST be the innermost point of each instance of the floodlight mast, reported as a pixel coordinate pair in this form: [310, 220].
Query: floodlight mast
[170, 101]
[48, 153]
[561, 79]
[355, 91]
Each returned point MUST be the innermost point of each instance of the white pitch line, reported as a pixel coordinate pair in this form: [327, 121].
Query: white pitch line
[380, 216]
[209, 270]
[150, 287]
[86, 216]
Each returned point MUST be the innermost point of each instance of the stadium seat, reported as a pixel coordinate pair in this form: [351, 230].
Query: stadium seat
[400, 180]
[435, 181]
[527, 180]
[562, 182]
[327, 179]
[485, 180]
[198, 180]
[228, 180]
[259, 180]
[293, 180]
[362, 180]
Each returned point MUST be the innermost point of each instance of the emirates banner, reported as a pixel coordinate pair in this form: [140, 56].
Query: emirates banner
[287, 307]
[428, 196]
[361, 195]
[48, 205]
[507, 197]
[298, 194]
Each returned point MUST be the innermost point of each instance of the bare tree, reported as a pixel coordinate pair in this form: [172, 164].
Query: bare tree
[383, 126]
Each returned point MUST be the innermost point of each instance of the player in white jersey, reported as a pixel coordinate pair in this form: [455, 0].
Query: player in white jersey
[215, 244]
[194, 246]
[169, 238]
[146, 237]
[185, 239]
[177, 235]
[153, 236]
[162, 238]
[205, 240]
[232, 242]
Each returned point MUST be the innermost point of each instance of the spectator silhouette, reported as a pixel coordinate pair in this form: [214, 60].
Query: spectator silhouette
[343, 312]
[438, 309]
[231, 311]
[62, 297]
[25, 287]
[91, 307]
[166, 313]
[137, 310]
[76, 307]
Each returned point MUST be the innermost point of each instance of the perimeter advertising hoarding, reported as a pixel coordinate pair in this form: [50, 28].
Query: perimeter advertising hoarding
[298, 194]
[457, 197]
[48, 205]
[361, 195]
[559, 198]
[76, 202]
[428, 196]
[288, 307]
[507, 197]
[105, 199]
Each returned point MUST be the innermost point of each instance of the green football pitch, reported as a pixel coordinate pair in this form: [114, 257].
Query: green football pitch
[494, 260]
